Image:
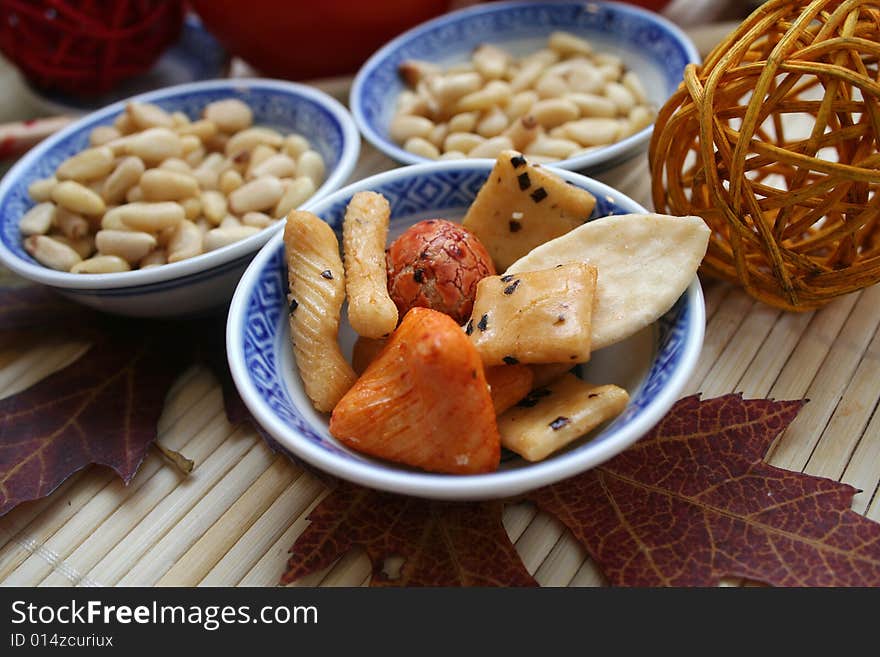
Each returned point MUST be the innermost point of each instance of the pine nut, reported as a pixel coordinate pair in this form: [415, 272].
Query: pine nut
[554, 111]
[103, 134]
[294, 196]
[452, 155]
[176, 164]
[71, 224]
[230, 221]
[521, 103]
[153, 145]
[634, 85]
[278, 165]
[421, 147]
[620, 96]
[585, 79]
[77, 198]
[260, 194]
[213, 206]
[527, 75]
[593, 132]
[147, 115]
[414, 71]
[494, 93]
[462, 141]
[202, 130]
[294, 145]
[84, 246]
[464, 122]
[101, 264]
[640, 117]
[220, 237]
[404, 126]
[51, 253]
[38, 220]
[551, 86]
[129, 245]
[196, 157]
[492, 147]
[163, 185]
[256, 219]
[87, 165]
[192, 207]
[558, 149]
[493, 123]
[438, 134]
[566, 43]
[186, 242]
[134, 194]
[180, 119]
[41, 190]
[124, 124]
[125, 176]
[154, 258]
[490, 61]
[247, 139]
[151, 217]
[230, 180]
[311, 164]
[522, 131]
[230, 115]
[591, 105]
[190, 143]
[449, 88]
[112, 220]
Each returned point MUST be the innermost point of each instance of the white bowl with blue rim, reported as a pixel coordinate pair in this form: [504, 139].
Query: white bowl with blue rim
[648, 44]
[206, 281]
[653, 365]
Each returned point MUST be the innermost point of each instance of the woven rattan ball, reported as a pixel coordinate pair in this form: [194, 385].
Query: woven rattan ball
[774, 142]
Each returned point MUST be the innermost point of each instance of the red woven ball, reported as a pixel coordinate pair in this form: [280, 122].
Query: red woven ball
[85, 47]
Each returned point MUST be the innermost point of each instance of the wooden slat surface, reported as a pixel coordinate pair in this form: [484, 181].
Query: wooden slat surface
[233, 519]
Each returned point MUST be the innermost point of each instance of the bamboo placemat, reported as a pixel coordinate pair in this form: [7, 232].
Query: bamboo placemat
[233, 519]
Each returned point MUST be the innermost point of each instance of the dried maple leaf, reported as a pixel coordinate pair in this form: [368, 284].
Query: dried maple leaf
[442, 544]
[693, 502]
[104, 407]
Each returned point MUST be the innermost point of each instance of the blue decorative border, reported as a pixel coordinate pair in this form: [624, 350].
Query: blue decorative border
[656, 42]
[272, 105]
[445, 193]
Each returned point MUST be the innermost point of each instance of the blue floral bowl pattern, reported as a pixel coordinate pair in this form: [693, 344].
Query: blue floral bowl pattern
[207, 280]
[649, 45]
[258, 348]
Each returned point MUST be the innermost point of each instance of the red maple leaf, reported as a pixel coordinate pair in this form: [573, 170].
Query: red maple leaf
[693, 502]
[442, 544]
[104, 407]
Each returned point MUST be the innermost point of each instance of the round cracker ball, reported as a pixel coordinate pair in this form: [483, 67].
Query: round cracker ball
[437, 264]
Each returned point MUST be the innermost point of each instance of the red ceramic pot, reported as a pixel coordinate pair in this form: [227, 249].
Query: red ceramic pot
[301, 40]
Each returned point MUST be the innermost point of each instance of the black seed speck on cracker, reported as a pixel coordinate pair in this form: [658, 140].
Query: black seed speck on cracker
[518, 161]
[539, 195]
[419, 275]
[592, 395]
[524, 181]
[510, 289]
[327, 274]
[510, 360]
[294, 304]
[483, 324]
[514, 226]
[507, 278]
[469, 328]
[559, 422]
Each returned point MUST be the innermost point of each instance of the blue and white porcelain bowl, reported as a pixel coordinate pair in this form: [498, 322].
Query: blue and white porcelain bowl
[652, 365]
[196, 285]
[649, 45]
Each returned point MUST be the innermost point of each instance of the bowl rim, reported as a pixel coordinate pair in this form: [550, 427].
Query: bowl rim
[595, 160]
[205, 261]
[442, 486]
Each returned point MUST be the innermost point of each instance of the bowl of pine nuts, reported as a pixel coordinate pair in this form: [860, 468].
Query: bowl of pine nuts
[155, 205]
[571, 84]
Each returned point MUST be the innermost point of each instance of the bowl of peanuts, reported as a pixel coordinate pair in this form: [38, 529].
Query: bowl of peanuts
[572, 84]
[155, 205]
